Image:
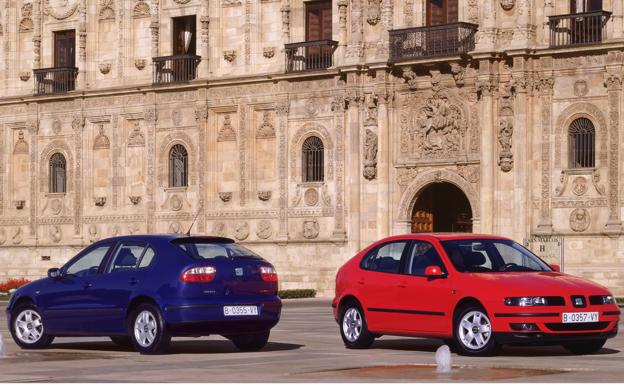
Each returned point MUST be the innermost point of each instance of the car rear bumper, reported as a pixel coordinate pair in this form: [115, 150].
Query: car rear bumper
[540, 338]
[208, 318]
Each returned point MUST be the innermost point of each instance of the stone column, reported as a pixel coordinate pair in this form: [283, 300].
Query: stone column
[522, 148]
[343, 6]
[524, 31]
[549, 10]
[355, 48]
[151, 120]
[155, 28]
[384, 200]
[37, 34]
[617, 16]
[545, 86]
[488, 30]
[387, 16]
[82, 46]
[78, 124]
[204, 51]
[282, 109]
[486, 89]
[613, 82]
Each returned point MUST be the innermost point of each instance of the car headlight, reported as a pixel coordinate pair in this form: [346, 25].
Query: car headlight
[608, 300]
[526, 301]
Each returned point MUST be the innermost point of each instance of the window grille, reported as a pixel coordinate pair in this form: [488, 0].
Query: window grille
[58, 173]
[178, 166]
[313, 163]
[582, 143]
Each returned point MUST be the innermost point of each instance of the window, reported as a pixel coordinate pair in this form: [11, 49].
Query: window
[184, 35]
[580, 6]
[147, 258]
[442, 12]
[582, 143]
[386, 258]
[58, 173]
[178, 166]
[199, 249]
[318, 20]
[422, 256]
[313, 163]
[89, 263]
[65, 49]
[126, 256]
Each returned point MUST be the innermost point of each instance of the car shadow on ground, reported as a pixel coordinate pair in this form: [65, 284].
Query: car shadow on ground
[177, 347]
[431, 345]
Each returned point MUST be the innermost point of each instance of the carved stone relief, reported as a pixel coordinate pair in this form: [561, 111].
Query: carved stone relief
[107, 11]
[579, 220]
[175, 228]
[141, 9]
[101, 140]
[265, 229]
[579, 186]
[21, 146]
[505, 157]
[60, 9]
[374, 12]
[241, 230]
[93, 233]
[266, 129]
[370, 155]
[264, 195]
[507, 5]
[226, 132]
[225, 196]
[26, 23]
[136, 138]
[219, 229]
[56, 234]
[311, 197]
[580, 88]
[310, 228]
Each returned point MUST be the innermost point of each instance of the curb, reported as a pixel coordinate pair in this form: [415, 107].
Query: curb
[304, 302]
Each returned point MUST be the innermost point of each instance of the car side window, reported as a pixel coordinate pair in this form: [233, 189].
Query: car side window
[423, 255]
[386, 258]
[147, 258]
[126, 256]
[89, 263]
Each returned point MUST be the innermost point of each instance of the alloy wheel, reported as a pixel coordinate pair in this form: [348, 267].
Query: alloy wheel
[145, 328]
[352, 324]
[475, 330]
[28, 326]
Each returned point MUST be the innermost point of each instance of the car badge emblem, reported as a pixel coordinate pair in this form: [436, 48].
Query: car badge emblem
[578, 301]
[238, 271]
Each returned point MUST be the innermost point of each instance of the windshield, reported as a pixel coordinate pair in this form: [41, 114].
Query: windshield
[209, 250]
[491, 255]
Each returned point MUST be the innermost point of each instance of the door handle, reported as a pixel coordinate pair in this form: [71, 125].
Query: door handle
[87, 285]
[402, 285]
[360, 282]
[133, 281]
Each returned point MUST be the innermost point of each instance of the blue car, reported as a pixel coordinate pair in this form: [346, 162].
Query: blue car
[142, 290]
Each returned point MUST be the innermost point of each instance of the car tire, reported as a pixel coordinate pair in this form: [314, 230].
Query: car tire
[250, 342]
[147, 330]
[584, 347]
[27, 328]
[353, 327]
[472, 332]
[122, 341]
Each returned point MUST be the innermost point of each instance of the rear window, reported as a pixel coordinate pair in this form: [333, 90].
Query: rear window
[211, 250]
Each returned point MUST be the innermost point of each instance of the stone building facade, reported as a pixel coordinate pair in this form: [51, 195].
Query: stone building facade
[490, 116]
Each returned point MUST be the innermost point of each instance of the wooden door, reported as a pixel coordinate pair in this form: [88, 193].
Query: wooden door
[318, 20]
[580, 6]
[442, 12]
[65, 49]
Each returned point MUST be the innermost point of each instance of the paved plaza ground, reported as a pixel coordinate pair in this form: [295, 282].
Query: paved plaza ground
[305, 346]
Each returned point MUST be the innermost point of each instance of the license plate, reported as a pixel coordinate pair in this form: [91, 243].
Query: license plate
[230, 311]
[569, 318]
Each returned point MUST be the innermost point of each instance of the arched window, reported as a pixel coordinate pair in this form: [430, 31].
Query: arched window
[582, 143]
[312, 160]
[58, 173]
[178, 166]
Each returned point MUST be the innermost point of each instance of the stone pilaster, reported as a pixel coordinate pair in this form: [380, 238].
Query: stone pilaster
[524, 31]
[384, 208]
[486, 89]
[338, 110]
[282, 110]
[613, 82]
[353, 161]
[150, 119]
[545, 85]
[201, 118]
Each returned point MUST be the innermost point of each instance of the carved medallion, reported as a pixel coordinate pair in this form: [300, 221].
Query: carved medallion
[175, 203]
[579, 220]
[105, 68]
[56, 206]
[56, 127]
[133, 228]
[580, 88]
[507, 5]
[579, 185]
[219, 229]
[265, 229]
[311, 107]
[241, 231]
[311, 197]
[176, 117]
[115, 230]
[60, 9]
[225, 196]
[264, 195]
[310, 228]
[56, 234]
[93, 233]
[175, 228]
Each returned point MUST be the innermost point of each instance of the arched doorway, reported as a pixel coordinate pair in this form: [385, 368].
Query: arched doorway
[442, 207]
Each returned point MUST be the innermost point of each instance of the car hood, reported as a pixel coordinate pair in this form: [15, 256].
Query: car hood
[538, 283]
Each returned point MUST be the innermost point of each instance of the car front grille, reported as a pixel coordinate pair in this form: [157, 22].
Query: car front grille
[561, 327]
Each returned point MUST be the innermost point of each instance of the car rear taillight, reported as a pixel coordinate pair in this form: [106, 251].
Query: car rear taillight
[199, 274]
[268, 274]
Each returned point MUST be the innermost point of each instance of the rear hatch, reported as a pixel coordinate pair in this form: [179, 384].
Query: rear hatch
[223, 268]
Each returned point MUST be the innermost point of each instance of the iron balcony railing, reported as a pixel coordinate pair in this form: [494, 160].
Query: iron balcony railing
[430, 41]
[49, 81]
[310, 55]
[175, 69]
[578, 28]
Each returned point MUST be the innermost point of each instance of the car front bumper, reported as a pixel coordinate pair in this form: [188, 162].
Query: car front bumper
[197, 319]
[539, 338]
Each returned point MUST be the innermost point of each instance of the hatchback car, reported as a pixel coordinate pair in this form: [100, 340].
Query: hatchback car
[143, 290]
[476, 292]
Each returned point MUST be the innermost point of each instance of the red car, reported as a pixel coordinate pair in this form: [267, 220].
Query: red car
[476, 292]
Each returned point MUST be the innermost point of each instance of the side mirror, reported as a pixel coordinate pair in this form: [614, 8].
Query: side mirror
[434, 272]
[54, 273]
[556, 268]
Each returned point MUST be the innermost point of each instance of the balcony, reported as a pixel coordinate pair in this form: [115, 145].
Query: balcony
[578, 28]
[431, 41]
[310, 55]
[51, 81]
[175, 69]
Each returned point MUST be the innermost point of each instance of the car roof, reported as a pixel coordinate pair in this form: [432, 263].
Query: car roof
[446, 236]
[170, 237]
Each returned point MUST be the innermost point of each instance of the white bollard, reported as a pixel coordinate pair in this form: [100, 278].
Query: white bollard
[443, 359]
